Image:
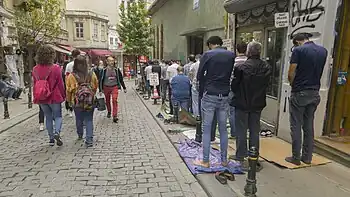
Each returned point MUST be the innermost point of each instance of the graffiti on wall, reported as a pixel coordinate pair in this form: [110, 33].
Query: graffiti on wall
[305, 15]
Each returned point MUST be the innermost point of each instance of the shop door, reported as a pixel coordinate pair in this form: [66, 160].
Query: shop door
[338, 124]
[275, 40]
[195, 45]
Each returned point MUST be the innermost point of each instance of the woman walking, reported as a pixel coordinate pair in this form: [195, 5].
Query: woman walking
[81, 87]
[48, 91]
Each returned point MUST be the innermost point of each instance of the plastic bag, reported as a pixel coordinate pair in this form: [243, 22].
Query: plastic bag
[100, 101]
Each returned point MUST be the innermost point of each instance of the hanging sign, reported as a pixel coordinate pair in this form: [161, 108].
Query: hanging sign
[341, 80]
[153, 79]
[281, 19]
[228, 43]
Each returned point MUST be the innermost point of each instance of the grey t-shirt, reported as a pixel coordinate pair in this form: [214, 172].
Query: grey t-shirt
[111, 78]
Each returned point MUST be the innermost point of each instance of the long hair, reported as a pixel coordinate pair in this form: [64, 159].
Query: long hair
[80, 66]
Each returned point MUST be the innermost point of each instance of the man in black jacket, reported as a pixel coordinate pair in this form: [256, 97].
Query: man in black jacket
[111, 80]
[249, 86]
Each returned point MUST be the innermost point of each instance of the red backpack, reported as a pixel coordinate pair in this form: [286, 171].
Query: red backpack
[41, 90]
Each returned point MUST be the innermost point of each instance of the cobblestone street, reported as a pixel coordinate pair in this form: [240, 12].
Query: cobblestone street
[131, 158]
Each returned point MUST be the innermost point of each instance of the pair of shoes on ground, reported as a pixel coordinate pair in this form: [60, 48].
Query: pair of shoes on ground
[115, 119]
[58, 140]
[223, 176]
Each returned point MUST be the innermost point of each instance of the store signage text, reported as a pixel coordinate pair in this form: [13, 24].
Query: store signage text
[281, 20]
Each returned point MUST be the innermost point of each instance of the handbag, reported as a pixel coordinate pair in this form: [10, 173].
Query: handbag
[100, 101]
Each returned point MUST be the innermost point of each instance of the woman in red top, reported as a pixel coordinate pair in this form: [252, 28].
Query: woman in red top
[52, 75]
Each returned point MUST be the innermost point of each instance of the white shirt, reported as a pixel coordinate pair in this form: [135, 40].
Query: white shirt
[69, 67]
[172, 71]
[148, 70]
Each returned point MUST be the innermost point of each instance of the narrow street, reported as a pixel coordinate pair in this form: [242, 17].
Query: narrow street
[131, 158]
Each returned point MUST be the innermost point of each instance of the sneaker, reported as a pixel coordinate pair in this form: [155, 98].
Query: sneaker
[52, 142]
[80, 137]
[115, 119]
[58, 140]
[109, 115]
[41, 127]
[88, 144]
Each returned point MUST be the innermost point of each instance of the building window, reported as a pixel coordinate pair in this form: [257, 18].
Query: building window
[116, 41]
[111, 41]
[95, 35]
[79, 30]
[103, 32]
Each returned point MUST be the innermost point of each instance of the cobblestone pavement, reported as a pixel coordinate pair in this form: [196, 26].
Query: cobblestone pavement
[131, 158]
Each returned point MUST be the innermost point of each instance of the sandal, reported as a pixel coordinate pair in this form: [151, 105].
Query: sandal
[220, 176]
[229, 175]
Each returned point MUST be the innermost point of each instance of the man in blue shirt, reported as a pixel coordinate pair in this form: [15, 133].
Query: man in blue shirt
[305, 72]
[181, 87]
[214, 75]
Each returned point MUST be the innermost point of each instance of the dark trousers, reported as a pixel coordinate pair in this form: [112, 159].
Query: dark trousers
[68, 108]
[41, 116]
[302, 107]
[170, 102]
[244, 121]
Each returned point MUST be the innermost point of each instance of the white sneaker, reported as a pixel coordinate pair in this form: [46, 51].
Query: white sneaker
[41, 127]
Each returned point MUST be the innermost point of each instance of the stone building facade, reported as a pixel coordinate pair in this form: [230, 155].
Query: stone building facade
[181, 27]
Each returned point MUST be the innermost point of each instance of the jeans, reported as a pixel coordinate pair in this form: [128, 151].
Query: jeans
[41, 116]
[244, 121]
[82, 118]
[53, 112]
[195, 102]
[232, 120]
[111, 92]
[214, 106]
[183, 104]
[302, 109]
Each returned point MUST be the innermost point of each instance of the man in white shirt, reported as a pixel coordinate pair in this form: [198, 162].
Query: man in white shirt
[148, 71]
[193, 77]
[172, 70]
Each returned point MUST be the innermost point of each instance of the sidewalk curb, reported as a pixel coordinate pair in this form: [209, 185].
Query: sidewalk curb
[166, 134]
[16, 120]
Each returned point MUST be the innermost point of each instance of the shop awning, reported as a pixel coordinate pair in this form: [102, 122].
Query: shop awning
[58, 49]
[100, 52]
[235, 6]
[70, 48]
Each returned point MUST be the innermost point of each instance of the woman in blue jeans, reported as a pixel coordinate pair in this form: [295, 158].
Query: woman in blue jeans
[83, 114]
[48, 91]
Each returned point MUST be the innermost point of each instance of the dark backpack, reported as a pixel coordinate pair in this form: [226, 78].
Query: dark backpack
[84, 96]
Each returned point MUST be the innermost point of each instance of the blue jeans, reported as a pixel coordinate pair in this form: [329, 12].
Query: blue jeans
[52, 112]
[195, 101]
[232, 120]
[183, 104]
[81, 117]
[212, 105]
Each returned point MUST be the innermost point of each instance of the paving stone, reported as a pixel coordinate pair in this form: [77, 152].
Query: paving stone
[130, 158]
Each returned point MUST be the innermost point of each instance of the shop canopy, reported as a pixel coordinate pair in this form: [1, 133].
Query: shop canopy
[70, 49]
[58, 49]
[235, 6]
[100, 52]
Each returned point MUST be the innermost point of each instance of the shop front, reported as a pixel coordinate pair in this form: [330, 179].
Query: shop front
[256, 22]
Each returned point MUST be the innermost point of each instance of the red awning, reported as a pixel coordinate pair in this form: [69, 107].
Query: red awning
[70, 48]
[100, 52]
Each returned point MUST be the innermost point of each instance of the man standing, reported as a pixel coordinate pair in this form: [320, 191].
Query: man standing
[241, 49]
[164, 81]
[195, 86]
[111, 80]
[214, 87]
[68, 70]
[171, 72]
[249, 87]
[181, 87]
[156, 68]
[187, 67]
[148, 71]
[304, 75]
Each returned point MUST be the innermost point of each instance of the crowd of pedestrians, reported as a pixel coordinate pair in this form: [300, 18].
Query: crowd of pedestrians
[77, 85]
[221, 85]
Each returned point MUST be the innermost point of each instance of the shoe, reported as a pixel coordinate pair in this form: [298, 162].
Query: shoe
[292, 160]
[306, 161]
[41, 127]
[80, 137]
[52, 142]
[115, 119]
[58, 140]
[71, 114]
[88, 144]
[109, 115]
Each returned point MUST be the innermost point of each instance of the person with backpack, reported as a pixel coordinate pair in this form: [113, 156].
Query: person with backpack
[67, 70]
[81, 87]
[48, 91]
[111, 80]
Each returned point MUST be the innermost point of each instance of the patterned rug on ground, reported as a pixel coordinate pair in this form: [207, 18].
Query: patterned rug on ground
[191, 151]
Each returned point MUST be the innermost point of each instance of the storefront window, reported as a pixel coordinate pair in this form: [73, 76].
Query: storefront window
[250, 36]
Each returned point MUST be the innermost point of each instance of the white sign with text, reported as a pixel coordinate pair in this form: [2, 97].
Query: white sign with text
[281, 19]
[153, 79]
